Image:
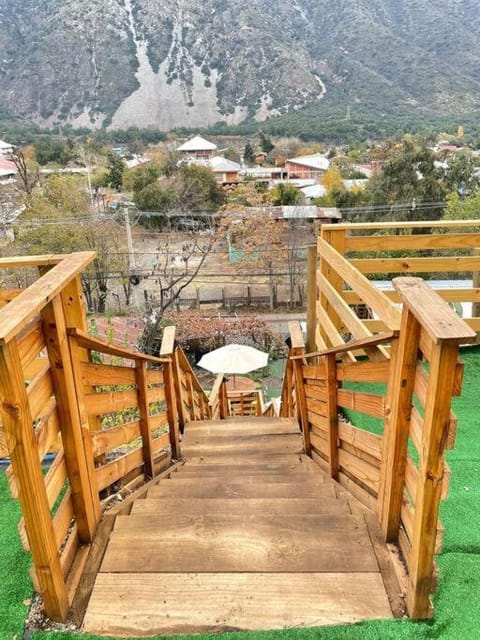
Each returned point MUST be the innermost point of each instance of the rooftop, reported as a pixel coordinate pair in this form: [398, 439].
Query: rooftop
[197, 144]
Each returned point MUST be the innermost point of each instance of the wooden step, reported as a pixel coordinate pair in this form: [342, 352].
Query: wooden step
[237, 458]
[245, 446]
[220, 488]
[247, 506]
[206, 469]
[265, 543]
[132, 605]
[290, 476]
[244, 426]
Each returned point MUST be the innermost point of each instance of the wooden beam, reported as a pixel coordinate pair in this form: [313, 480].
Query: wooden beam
[360, 343]
[145, 426]
[19, 312]
[95, 344]
[311, 297]
[17, 425]
[332, 414]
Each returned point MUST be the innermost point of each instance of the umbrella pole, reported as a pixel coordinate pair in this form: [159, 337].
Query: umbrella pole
[234, 385]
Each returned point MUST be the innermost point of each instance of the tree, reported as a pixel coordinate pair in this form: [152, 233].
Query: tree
[138, 178]
[266, 144]
[409, 177]
[286, 194]
[46, 226]
[196, 189]
[116, 167]
[462, 174]
[27, 171]
[232, 154]
[249, 154]
[154, 197]
[51, 150]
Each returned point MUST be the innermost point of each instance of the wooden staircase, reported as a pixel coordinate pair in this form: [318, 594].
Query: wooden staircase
[248, 534]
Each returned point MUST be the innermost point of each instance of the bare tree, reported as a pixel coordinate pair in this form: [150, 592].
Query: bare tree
[29, 177]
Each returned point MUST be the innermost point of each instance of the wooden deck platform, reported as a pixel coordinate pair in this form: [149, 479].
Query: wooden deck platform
[248, 534]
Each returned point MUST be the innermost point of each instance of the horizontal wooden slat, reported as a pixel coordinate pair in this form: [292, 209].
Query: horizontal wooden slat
[368, 403]
[160, 443]
[113, 471]
[319, 442]
[411, 478]
[416, 429]
[364, 496]
[47, 432]
[406, 516]
[155, 394]
[155, 376]
[370, 443]
[368, 371]
[96, 375]
[317, 371]
[55, 478]
[30, 343]
[359, 469]
[88, 342]
[405, 547]
[70, 549]
[37, 365]
[316, 392]
[158, 420]
[331, 333]
[411, 242]
[39, 392]
[346, 314]
[318, 407]
[110, 402]
[63, 518]
[417, 265]
[109, 439]
[318, 421]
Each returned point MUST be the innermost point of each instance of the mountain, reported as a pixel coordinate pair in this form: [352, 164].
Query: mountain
[171, 63]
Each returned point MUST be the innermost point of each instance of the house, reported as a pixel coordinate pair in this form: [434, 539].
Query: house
[324, 215]
[265, 173]
[226, 171]
[198, 148]
[312, 166]
[5, 148]
[8, 171]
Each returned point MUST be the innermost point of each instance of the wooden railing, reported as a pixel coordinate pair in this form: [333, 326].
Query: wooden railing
[191, 399]
[218, 401]
[107, 412]
[402, 379]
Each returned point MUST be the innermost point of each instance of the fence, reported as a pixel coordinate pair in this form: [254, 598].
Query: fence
[402, 378]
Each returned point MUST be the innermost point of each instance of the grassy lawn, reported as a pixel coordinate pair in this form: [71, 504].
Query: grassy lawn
[457, 603]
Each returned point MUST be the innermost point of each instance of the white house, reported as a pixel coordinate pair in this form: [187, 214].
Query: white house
[198, 147]
[5, 148]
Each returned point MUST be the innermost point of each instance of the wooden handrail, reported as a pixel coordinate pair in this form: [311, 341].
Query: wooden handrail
[31, 301]
[88, 342]
[215, 392]
[31, 261]
[373, 341]
[422, 224]
[438, 319]
[186, 366]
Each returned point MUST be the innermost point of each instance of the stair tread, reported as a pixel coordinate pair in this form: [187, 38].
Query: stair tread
[129, 604]
[240, 543]
[218, 488]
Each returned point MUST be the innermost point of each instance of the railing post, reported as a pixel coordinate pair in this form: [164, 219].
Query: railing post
[298, 349]
[311, 298]
[18, 427]
[332, 413]
[174, 432]
[145, 421]
[404, 360]
[85, 500]
[178, 390]
[429, 485]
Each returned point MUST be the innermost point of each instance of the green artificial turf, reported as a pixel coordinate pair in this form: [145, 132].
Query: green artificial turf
[457, 602]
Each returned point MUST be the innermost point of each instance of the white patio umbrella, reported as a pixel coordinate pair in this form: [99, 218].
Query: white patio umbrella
[233, 358]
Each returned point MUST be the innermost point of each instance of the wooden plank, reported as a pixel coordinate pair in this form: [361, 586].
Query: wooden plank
[357, 344]
[382, 306]
[47, 431]
[365, 441]
[39, 391]
[331, 333]
[387, 570]
[117, 469]
[316, 391]
[155, 376]
[318, 407]
[250, 445]
[369, 403]
[437, 318]
[319, 422]
[37, 365]
[160, 443]
[55, 478]
[429, 487]
[367, 371]
[95, 375]
[86, 341]
[346, 314]
[402, 226]
[233, 506]
[332, 414]
[409, 242]
[85, 586]
[29, 303]
[77, 459]
[358, 469]
[296, 335]
[63, 518]
[316, 371]
[220, 488]
[397, 424]
[363, 496]
[17, 424]
[202, 603]
[98, 404]
[407, 264]
[173, 424]
[320, 444]
[30, 343]
[145, 420]
[239, 543]
[109, 439]
[244, 426]
[67, 555]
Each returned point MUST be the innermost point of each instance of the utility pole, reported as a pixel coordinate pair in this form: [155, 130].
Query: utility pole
[128, 229]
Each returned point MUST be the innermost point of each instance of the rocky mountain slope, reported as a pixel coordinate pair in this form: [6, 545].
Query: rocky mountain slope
[195, 62]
